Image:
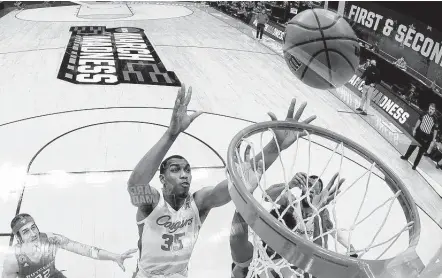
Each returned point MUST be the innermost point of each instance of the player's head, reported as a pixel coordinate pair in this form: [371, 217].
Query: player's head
[373, 62]
[263, 11]
[175, 175]
[432, 108]
[24, 228]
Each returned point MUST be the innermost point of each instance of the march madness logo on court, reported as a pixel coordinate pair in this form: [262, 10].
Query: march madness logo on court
[96, 55]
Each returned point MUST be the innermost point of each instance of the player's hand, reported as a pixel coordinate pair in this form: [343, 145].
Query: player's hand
[251, 174]
[299, 181]
[414, 132]
[119, 259]
[328, 193]
[180, 120]
[286, 138]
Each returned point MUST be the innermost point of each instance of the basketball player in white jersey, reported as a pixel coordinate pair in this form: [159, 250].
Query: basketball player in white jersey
[34, 255]
[169, 219]
[242, 248]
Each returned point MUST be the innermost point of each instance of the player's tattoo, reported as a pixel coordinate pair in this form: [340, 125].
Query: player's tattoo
[75, 247]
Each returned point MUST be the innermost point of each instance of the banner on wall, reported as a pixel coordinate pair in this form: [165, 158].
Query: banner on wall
[373, 21]
[97, 55]
[396, 108]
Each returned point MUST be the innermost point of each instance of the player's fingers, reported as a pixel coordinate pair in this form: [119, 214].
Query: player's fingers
[247, 152]
[176, 106]
[302, 178]
[260, 167]
[272, 116]
[299, 179]
[300, 111]
[309, 119]
[182, 92]
[332, 181]
[329, 200]
[195, 115]
[340, 183]
[291, 109]
[188, 96]
[301, 174]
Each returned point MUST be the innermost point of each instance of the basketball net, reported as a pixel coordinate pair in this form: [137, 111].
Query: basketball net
[267, 264]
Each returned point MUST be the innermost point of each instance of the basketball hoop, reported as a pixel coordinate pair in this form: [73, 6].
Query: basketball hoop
[300, 253]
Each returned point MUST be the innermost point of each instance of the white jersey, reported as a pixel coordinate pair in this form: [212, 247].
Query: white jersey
[167, 238]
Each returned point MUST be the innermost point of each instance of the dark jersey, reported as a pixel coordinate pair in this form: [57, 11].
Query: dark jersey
[291, 222]
[45, 267]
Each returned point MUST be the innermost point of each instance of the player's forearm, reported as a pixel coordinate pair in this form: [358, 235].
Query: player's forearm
[148, 165]
[239, 231]
[271, 153]
[104, 255]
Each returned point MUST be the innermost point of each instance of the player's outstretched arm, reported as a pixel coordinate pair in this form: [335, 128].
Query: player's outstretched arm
[149, 164]
[10, 267]
[283, 138]
[210, 197]
[91, 251]
[240, 246]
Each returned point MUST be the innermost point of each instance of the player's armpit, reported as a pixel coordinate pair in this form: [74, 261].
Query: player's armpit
[143, 195]
[75, 247]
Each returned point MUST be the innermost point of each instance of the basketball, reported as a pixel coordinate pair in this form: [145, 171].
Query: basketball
[321, 48]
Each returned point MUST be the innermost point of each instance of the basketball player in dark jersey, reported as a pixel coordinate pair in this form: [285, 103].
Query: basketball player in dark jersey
[34, 255]
[242, 249]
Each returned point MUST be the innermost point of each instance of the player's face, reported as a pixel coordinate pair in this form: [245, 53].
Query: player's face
[29, 233]
[177, 177]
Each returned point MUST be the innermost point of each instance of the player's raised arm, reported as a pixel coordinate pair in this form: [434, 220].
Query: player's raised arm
[90, 251]
[138, 184]
[210, 197]
[283, 138]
